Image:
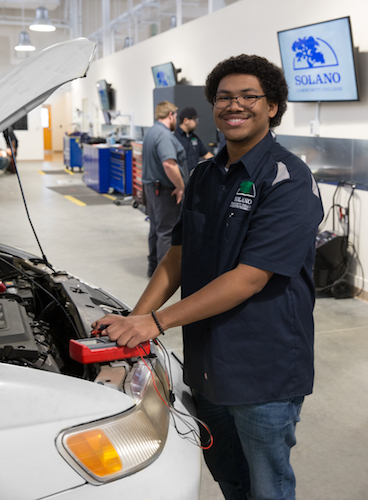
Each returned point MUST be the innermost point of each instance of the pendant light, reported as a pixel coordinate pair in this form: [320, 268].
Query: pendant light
[24, 43]
[128, 42]
[42, 21]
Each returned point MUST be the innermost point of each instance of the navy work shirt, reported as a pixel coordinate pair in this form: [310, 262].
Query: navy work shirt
[194, 147]
[263, 212]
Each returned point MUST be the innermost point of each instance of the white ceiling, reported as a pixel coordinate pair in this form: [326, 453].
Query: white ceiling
[107, 22]
[30, 4]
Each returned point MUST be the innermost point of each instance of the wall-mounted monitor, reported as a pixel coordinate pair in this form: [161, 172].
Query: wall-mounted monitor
[318, 62]
[105, 94]
[164, 75]
[107, 117]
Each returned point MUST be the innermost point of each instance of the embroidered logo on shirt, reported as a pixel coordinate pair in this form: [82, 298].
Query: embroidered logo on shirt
[243, 198]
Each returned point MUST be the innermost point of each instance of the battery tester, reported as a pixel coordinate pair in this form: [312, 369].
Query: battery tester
[99, 349]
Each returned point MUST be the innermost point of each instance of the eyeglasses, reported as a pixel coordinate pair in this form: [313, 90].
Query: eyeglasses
[244, 101]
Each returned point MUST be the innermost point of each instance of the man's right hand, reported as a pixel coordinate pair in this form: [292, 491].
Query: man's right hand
[173, 173]
[129, 331]
[179, 195]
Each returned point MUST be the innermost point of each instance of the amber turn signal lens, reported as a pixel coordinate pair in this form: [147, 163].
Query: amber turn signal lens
[95, 451]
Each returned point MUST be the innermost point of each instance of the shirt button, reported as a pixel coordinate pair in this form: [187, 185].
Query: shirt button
[223, 188]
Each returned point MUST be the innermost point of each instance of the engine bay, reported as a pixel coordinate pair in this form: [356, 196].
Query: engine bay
[42, 309]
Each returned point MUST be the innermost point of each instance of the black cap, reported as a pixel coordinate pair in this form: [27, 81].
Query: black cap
[187, 113]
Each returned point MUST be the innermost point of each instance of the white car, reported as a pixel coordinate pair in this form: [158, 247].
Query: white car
[81, 420]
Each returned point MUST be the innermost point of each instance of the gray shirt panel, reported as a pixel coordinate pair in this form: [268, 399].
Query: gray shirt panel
[160, 144]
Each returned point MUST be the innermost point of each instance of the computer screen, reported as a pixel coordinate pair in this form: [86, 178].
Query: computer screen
[164, 75]
[104, 92]
[318, 62]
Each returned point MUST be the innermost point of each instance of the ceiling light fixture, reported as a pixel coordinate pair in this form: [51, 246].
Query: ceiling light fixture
[42, 21]
[24, 43]
[128, 42]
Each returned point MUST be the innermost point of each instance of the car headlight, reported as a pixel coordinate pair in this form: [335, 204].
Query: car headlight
[114, 447]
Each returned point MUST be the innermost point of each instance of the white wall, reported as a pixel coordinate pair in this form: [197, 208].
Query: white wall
[30, 141]
[61, 117]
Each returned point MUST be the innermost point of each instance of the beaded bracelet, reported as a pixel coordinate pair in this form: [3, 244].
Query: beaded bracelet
[157, 323]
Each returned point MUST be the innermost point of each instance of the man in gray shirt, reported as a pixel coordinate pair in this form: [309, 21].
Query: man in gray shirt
[164, 175]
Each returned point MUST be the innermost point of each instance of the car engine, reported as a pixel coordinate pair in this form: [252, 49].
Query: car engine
[42, 309]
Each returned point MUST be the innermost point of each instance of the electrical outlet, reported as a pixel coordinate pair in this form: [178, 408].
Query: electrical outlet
[314, 127]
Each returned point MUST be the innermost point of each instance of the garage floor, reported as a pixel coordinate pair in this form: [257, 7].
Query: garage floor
[106, 245]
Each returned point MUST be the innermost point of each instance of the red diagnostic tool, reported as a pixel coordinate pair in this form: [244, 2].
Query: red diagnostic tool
[101, 349]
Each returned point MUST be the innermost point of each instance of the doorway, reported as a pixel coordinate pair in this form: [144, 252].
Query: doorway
[47, 129]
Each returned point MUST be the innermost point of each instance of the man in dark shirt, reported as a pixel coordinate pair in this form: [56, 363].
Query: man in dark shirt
[242, 252]
[194, 147]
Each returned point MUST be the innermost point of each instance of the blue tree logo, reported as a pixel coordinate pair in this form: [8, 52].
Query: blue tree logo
[309, 54]
[162, 79]
[307, 50]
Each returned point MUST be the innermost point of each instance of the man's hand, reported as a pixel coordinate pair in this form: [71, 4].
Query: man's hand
[179, 194]
[173, 173]
[129, 331]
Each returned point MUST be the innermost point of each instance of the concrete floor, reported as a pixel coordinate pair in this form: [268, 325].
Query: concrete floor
[106, 245]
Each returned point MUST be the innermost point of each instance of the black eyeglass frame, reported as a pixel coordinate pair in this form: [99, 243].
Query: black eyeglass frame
[228, 99]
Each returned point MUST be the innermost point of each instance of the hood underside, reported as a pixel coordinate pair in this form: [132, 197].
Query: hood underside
[35, 79]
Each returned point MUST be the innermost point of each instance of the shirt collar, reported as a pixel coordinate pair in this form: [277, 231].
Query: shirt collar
[183, 133]
[180, 131]
[160, 124]
[251, 159]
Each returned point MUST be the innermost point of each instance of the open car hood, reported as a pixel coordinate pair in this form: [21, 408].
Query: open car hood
[34, 80]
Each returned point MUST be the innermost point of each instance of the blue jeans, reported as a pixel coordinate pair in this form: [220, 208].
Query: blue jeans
[250, 456]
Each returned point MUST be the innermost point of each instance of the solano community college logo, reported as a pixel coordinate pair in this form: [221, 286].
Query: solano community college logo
[243, 198]
[313, 53]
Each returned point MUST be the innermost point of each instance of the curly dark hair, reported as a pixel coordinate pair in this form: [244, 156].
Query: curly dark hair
[270, 76]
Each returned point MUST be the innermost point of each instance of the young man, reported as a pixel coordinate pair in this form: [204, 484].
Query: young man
[242, 252]
[164, 173]
[194, 147]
